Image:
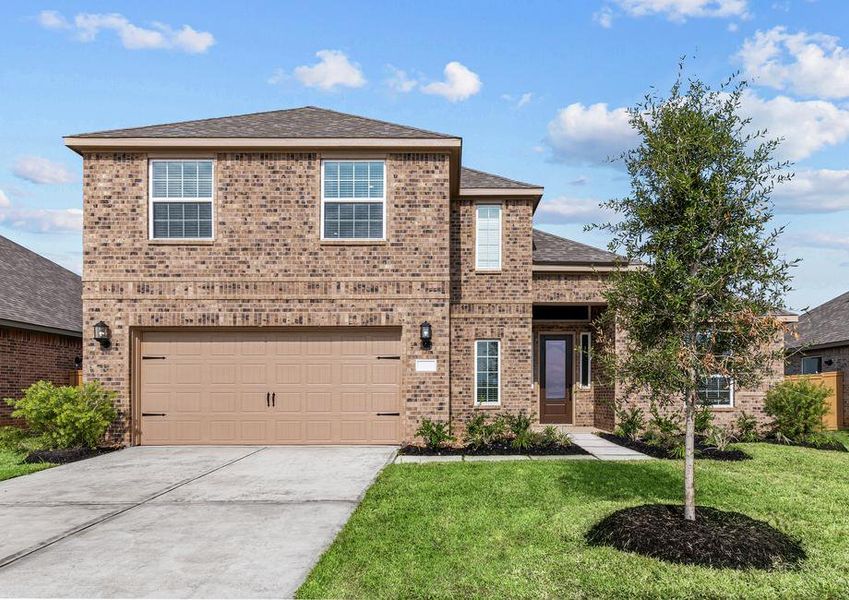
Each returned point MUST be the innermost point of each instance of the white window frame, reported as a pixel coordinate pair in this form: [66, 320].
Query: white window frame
[802, 364]
[475, 371]
[151, 200]
[500, 207]
[581, 360]
[731, 390]
[381, 200]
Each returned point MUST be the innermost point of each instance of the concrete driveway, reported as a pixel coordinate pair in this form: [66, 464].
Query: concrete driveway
[180, 522]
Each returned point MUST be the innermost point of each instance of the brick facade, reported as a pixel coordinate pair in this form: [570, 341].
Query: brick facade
[839, 355]
[28, 356]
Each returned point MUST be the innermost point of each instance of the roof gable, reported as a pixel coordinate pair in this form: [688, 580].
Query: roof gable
[37, 291]
[308, 122]
[826, 324]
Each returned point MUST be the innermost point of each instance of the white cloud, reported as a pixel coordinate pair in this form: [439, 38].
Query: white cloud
[818, 239]
[604, 17]
[806, 126]
[39, 220]
[333, 70]
[814, 191]
[733, 27]
[399, 81]
[589, 134]
[460, 83]
[41, 170]
[681, 10]
[279, 76]
[520, 102]
[581, 180]
[811, 64]
[160, 37]
[564, 209]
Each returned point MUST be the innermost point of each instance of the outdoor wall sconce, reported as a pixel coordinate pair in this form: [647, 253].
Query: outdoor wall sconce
[102, 334]
[426, 334]
[829, 362]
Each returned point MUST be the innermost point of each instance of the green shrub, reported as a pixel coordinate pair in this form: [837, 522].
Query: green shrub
[704, 420]
[665, 431]
[746, 428]
[481, 432]
[797, 409]
[630, 422]
[519, 423]
[434, 433]
[525, 440]
[718, 437]
[65, 416]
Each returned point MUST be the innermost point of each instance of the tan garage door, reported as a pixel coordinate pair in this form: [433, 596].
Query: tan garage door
[307, 386]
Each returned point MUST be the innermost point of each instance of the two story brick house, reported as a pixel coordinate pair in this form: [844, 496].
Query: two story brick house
[307, 276]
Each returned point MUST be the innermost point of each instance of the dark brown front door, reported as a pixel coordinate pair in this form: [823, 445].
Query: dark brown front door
[555, 378]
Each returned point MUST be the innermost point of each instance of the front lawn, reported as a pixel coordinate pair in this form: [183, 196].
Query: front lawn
[12, 465]
[516, 529]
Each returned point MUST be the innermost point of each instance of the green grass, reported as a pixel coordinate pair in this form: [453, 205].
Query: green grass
[841, 436]
[12, 465]
[516, 529]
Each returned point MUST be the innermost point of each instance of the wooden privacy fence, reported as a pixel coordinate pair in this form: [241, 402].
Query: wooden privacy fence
[833, 382]
[75, 377]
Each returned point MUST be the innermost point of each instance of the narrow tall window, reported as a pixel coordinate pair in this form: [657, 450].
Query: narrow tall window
[811, 365]
[716, 391]
[181, 199]
[353, 199]
[488, 237]
[487, 372]
[586, 359]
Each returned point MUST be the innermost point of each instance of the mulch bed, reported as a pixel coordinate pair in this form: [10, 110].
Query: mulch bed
[494, 449]
[702, 451]
[717, 538]
[832, 445]
[61, 457]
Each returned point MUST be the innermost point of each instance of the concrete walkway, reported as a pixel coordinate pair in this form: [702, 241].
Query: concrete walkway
[603, 449]
[180, 522]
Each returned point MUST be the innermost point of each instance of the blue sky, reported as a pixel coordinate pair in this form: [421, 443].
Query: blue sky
[536, 89]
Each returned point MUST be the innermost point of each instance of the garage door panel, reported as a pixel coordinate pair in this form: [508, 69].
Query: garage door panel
[328, 384]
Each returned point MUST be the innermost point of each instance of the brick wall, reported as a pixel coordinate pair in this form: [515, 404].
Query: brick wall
[29, 356]
[267, 265]
[840, 362]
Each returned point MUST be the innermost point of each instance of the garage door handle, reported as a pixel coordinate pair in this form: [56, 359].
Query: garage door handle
[268, 398]
[273, 396]
[388, 414]
[153, 414]
[153, 358]
[388, 358]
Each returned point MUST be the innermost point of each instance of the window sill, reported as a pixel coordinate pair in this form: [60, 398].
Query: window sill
[487, 271]
[722, 409]
[487, 405]
[354, 242]
[179, 242]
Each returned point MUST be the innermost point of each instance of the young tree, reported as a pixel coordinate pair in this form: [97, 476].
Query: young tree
[698, 217]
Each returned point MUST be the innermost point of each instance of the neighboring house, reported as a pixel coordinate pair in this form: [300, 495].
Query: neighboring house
[820, 343]
[308, 276]
[40, 322]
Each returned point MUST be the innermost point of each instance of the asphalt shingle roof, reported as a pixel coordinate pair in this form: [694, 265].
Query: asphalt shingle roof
[826, 324]
[37, 291]
[306, 122]
[472, 178]
[550, 249]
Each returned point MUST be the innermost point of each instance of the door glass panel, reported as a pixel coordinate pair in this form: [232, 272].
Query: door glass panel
[555, 369]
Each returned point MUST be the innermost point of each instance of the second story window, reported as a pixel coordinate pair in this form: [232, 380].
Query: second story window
[353, 200]
[181, 199]
[488, 237]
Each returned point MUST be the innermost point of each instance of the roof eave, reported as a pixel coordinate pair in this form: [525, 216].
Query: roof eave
[582, 267]
[81, 144]
[41, 328]
[514, 192]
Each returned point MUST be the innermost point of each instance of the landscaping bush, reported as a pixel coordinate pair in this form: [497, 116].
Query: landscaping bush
[703, 420]
[797, 409]
[746, 428]
[630, 422]
[518, 424]
[434, 433]
[718, 438]
[65, 416]
[480, 432]
[551, 436]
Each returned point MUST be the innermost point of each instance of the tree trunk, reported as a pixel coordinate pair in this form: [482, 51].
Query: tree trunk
[689, 458]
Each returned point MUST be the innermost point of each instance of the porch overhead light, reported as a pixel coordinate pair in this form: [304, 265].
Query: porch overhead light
[426, 334]
[102, 334]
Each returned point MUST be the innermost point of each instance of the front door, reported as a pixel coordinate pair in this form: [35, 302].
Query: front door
[555, 379]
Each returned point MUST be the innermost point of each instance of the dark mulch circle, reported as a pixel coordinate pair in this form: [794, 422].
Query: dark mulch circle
[501, 449]
[702, 450]
[717, 538]
[61, 457]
